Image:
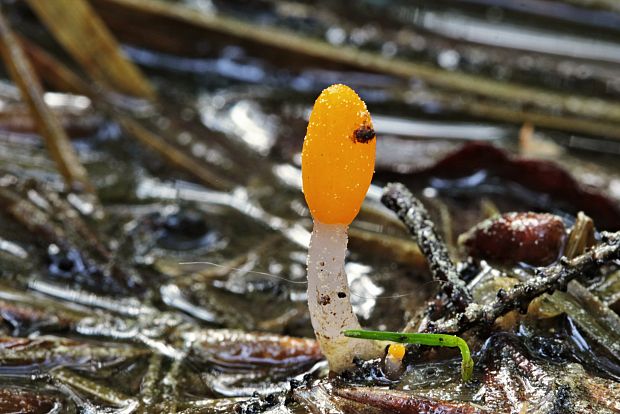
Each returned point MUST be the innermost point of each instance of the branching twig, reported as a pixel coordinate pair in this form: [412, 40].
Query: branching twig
[413, 214]
[547, 280]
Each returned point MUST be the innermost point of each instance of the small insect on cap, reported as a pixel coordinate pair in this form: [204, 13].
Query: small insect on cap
[338, 156]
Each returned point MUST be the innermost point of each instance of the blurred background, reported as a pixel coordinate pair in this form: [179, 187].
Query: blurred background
[137, 135]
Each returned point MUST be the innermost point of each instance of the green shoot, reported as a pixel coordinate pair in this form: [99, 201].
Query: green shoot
[467, 364]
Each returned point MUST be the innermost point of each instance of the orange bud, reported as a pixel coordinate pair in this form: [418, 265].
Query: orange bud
[338, 156]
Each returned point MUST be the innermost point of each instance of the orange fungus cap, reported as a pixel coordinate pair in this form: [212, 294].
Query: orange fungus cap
[338, 156]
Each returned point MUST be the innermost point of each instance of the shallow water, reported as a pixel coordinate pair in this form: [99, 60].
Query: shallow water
[133, 311]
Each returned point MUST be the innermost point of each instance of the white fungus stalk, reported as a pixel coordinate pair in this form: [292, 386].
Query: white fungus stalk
[337, 163]
[328, 298]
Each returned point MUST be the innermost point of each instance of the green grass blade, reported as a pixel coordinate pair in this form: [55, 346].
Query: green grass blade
[467, 364]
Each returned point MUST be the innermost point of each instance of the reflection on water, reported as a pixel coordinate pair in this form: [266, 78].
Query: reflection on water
[518, 37]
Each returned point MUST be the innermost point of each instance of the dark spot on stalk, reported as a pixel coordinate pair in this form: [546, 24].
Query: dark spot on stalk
[324, 300]
[342, 295]
[364, 134]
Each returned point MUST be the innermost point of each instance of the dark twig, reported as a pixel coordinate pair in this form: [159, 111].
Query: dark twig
[547, 280]
[414, 215]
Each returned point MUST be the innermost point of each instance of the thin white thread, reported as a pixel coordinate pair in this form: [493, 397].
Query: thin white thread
[296, 282]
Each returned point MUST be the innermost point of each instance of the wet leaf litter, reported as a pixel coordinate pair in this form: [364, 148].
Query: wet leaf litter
[105, 303]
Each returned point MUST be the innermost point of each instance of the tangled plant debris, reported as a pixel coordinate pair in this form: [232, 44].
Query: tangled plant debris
[545, 279]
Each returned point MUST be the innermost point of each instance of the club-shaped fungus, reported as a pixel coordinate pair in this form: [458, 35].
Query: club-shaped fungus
[338, 161]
